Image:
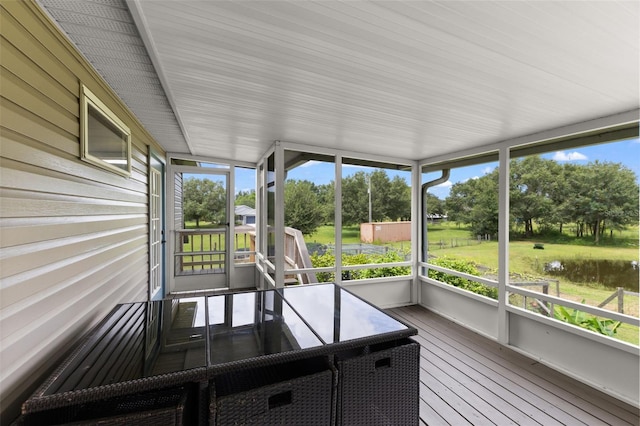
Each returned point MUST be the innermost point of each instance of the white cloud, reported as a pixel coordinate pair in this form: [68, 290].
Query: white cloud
[568, 156]
[487, 170]
[447, 184]
[471, 178]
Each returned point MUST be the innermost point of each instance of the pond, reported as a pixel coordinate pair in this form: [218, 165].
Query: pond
[610, 273]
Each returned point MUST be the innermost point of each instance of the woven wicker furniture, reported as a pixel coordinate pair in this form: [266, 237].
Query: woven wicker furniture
[308, 355]
[294, 393]
[378, 386]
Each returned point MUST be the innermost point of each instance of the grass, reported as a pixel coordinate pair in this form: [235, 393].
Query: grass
[450, 239]
[326, 235]
[527, 264]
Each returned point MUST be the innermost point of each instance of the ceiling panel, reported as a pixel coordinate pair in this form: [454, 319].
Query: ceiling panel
[106, 35]
[412, 79]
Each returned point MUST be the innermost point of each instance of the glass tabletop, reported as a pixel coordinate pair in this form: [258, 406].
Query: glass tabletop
[337, 315]
[248, 325]
[138, 340]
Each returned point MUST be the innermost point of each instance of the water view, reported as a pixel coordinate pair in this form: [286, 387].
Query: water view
[610, 273]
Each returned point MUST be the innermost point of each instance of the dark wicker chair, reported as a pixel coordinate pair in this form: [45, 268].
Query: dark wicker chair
[379, 385]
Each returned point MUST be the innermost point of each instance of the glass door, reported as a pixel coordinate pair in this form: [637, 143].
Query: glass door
[202, 248]
[157, 261]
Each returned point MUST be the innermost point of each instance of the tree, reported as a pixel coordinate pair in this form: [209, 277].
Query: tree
[381, 206]
[390, 199]
[326, 200]
[475, 202]
[355, 199]
[435, 205]
[532, 182]
[595, 196]
[246, 198]
[204, 200]
[561, 197]
[301, 207]
[604, 194]
[399, 200]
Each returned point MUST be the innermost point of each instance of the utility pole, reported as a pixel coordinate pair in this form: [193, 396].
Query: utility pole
[369, 191]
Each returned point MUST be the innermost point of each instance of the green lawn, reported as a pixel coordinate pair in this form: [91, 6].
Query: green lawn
[525, 263]
[326, 235]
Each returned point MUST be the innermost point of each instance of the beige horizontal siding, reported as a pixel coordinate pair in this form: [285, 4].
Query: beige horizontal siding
[18, 91]
[57, 162]
[21, 65]
[73, 237]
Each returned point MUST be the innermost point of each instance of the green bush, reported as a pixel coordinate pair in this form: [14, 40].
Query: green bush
[328, 259]
[463, 283]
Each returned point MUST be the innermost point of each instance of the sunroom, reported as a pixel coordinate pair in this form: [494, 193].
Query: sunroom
[481, 132]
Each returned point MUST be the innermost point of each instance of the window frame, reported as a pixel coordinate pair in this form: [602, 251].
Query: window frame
[89, 100]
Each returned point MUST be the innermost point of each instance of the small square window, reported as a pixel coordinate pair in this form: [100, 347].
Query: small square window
[105, 139]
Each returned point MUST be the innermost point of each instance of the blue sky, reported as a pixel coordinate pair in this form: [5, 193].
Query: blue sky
[626, 152]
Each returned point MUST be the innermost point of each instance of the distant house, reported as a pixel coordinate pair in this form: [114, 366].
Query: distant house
[245, 215]
[437, 217]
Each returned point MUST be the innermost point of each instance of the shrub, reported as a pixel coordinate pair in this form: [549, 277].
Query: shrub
[463, 283]
[607, 327]
[328, 259]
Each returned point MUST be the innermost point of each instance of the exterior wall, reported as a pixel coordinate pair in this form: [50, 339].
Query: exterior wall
[74, 237]
[385, 232]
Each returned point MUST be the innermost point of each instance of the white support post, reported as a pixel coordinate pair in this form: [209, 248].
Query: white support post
[231, 229]
[279, 214]
[416, 230]
[503, 246]
[338, 219]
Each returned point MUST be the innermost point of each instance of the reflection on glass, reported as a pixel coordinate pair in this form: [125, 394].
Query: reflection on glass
[256, 324]
[192, 313]
[304, 337]
[337, 315]
[139, 340]
[105, 139]
[183, 336]
[244, 306]
[216, 310]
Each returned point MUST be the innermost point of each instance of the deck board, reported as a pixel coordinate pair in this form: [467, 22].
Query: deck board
[469, 379]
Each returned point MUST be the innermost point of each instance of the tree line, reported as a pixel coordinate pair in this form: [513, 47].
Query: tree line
[308, 205]
[595, 198]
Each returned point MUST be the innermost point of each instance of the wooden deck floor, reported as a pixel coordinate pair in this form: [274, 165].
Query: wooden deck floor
[468, 379]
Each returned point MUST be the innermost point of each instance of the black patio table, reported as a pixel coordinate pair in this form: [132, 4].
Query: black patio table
[312, 354]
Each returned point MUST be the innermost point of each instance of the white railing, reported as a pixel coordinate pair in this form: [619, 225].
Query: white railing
[200, 251]
[203, 251]
[296, 256]
[544, 299]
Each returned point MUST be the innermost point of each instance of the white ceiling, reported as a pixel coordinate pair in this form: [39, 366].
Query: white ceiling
[409, 79]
